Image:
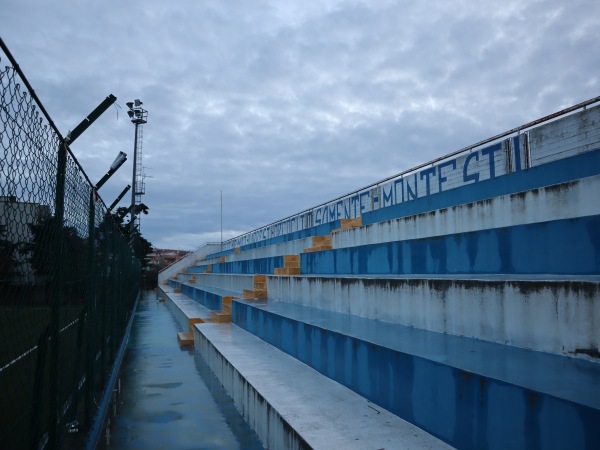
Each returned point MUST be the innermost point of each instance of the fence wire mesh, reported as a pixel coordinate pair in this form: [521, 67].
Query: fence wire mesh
[68, 280]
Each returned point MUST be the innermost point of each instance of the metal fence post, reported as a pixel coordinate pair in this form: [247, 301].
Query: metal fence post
[56, 294]
[38, 388]
[91, 307]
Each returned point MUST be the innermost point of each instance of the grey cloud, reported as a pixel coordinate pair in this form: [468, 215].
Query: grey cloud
[284, 105]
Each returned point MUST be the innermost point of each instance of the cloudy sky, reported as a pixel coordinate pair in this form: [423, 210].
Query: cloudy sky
[282, 105]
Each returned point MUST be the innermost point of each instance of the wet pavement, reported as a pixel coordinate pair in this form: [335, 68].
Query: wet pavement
[170, 398]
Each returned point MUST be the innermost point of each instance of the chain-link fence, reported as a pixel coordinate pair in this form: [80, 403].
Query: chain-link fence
[68, 280]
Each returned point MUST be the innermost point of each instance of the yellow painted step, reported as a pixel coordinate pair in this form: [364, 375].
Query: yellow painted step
[291, 261]
[260, 282]
[220, 317]
[192, 322]
[287, 271]
[227, 299]
[318, 249]
[185, 338]
[255, 293]
[318, 241]
[347, 224]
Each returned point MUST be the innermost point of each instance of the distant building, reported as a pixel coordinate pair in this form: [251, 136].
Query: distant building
[161, 258]
[15, 218]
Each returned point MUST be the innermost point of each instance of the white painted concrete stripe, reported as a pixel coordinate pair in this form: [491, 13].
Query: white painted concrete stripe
[564, 201]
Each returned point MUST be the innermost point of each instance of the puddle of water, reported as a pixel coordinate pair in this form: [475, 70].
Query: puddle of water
[170, 398]
[164, 385]
[164, 417]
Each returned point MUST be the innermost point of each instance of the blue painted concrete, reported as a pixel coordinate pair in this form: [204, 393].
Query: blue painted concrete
[171, 399]
[251, 266]
[205, 297]
[472, 394]
[563, 246]
[568, 169]
[198, 269]
[570, 246]
[248, 266]
[209, 296]
[318, 230]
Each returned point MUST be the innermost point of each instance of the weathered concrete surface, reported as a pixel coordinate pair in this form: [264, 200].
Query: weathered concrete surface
[550, 314]
[183, 308]
[448, 385]
[563, 201]
[232, 282]
[292, 406]
[186, 261]
[169, 398]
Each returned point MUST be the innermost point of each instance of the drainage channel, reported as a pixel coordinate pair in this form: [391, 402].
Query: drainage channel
[169, 398]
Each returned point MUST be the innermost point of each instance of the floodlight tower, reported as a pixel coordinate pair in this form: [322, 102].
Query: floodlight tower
[138, 116]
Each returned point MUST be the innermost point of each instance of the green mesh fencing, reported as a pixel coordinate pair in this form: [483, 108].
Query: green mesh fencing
[68, 280]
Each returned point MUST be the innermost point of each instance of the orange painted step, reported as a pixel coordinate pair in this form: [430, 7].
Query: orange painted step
[185, 338]
[255, 293]
[287, 271]
[220, 317]
[192, 322]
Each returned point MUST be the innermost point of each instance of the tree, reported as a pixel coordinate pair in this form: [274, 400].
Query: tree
[8, 258]
[46, 257]
[141, 246]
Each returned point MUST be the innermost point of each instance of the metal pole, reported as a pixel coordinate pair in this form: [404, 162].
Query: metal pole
[132, 216]
[92, 320]
[38, 389]
[56, 293]
[118, 199]
[133, 182]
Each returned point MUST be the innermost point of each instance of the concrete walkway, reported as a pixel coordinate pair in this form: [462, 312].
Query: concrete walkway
[171, 399]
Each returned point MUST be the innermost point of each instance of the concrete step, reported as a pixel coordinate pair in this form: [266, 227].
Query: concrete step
[187, 312]
[291, 261]
[471, 393]
[347, 224]
[287, 271]
[538, 312]
[319, 248]
[220, 317]
[259, 279]
[226, 300]
[511, 249]
[291, 405]
[260, 285]
[255, 293]
[242, 266]
[185, 338]
[319, 243]
[208, 296]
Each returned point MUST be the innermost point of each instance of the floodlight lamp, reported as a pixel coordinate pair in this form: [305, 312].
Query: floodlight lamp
[138, 102]
[130, 114]
[118, 162]
[129, 105]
